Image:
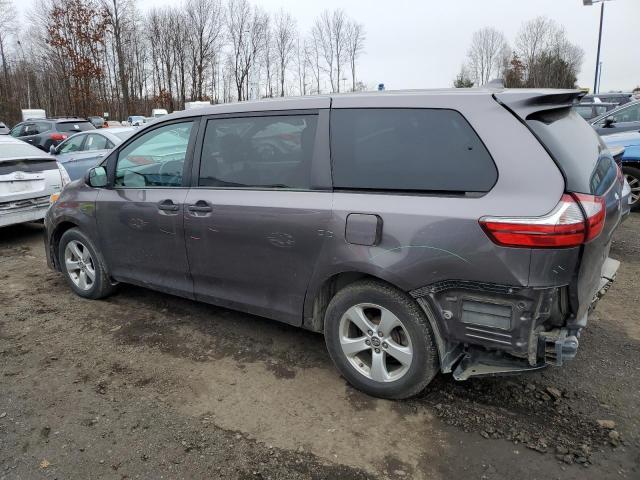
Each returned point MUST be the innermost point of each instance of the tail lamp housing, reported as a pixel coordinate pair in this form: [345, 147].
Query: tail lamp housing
[58, 137]
[577, 218]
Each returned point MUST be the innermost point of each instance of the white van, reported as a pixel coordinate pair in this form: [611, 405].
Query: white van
[30, 114]
[192, 105]
[158, 112]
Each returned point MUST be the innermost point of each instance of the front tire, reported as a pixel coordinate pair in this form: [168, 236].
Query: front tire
[82, 266]
[380, 340]
[632, 175]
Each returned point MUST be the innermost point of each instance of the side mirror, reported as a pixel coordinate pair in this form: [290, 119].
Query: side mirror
[609, 121]
[96, 177]
[53, 150]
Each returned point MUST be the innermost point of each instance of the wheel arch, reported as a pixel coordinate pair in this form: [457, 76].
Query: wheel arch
[56, 235]
[631, 163]
[317, 299]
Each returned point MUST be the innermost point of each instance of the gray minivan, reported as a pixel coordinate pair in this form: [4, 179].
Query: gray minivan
[462, 231]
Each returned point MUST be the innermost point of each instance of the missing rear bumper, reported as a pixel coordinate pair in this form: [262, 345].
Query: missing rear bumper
[553, 348]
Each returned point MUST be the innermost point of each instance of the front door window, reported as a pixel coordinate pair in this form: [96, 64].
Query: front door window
[155, 159]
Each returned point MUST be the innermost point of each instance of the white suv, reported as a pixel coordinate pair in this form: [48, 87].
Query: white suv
[30, 180]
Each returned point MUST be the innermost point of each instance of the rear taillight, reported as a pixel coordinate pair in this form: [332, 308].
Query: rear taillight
[57, 137]
[595, 210]
[565, 226]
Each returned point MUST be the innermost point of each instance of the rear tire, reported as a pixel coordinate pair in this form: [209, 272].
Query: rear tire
[397, 363]
[632, 175]
[82, 266]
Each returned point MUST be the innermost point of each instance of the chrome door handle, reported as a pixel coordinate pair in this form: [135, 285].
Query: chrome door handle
[168, 206]
[200, 206]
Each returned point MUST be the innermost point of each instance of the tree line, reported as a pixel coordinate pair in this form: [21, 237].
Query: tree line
[541, 57]
[86, 57]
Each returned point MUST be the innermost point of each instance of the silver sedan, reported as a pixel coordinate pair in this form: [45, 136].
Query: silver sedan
[81, 151]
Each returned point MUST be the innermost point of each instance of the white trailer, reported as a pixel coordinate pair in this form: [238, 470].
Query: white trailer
[28, 114]
[158, 112]
[192, 105]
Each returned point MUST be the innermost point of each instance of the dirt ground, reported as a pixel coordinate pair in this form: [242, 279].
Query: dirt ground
[145, 385]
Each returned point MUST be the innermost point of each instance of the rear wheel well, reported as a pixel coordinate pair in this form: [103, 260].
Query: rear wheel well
[327, 291]
[633, 164]
[55, 240]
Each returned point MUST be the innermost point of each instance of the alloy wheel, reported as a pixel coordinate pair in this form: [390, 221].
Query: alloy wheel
[634, 183]
[375, 342]
[80, 265]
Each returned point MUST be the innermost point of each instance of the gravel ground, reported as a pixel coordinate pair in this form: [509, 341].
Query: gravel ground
[145, 385]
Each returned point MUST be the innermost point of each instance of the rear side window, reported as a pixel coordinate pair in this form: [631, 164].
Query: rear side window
[43, 127]
[587, 165]
[258, 152]
[74, 126]
[628, 114]
[95, 142]
[408, 150]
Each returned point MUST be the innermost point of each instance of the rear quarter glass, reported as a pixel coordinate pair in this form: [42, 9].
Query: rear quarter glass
[408, 149]
[585, 161]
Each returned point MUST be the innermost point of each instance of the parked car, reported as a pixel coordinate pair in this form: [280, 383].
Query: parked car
[619, 98]
[4, 130]
[47, 132]
[97, 122]
[136, 120]
[113, 123]
[81, 151]
[401, 236]
[593, 109]
[621, 119]
[630, 161]
[29, 180]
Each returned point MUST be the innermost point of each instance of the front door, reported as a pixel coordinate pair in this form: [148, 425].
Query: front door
[141, 218]
[255, 222]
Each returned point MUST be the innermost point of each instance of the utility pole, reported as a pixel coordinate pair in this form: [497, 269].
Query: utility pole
[24, 62]
[589, 3]
[595, 81]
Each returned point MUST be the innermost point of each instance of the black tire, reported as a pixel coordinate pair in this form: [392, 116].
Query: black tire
[634, 173]
[424, 364]
[101, 285]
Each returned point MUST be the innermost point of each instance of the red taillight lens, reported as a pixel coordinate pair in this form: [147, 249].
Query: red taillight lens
[595, 209]
[564, 227]
[57, 136]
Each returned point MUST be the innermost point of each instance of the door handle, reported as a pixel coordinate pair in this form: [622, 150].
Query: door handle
[200, 206]
[168, 206]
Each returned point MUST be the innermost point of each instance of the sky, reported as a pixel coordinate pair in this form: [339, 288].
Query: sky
[423, 43]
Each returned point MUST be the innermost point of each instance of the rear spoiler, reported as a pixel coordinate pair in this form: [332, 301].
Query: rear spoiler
[524, 102]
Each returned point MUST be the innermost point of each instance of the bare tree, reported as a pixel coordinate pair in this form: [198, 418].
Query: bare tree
[314, 52]
[355, 47]
[302, 65]
[205, 22]
[119, 13]
[92, 56]
[548, 58]
[285, 37]
[268, 57]
[486, 56]
[8, 17]
[245, 28]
